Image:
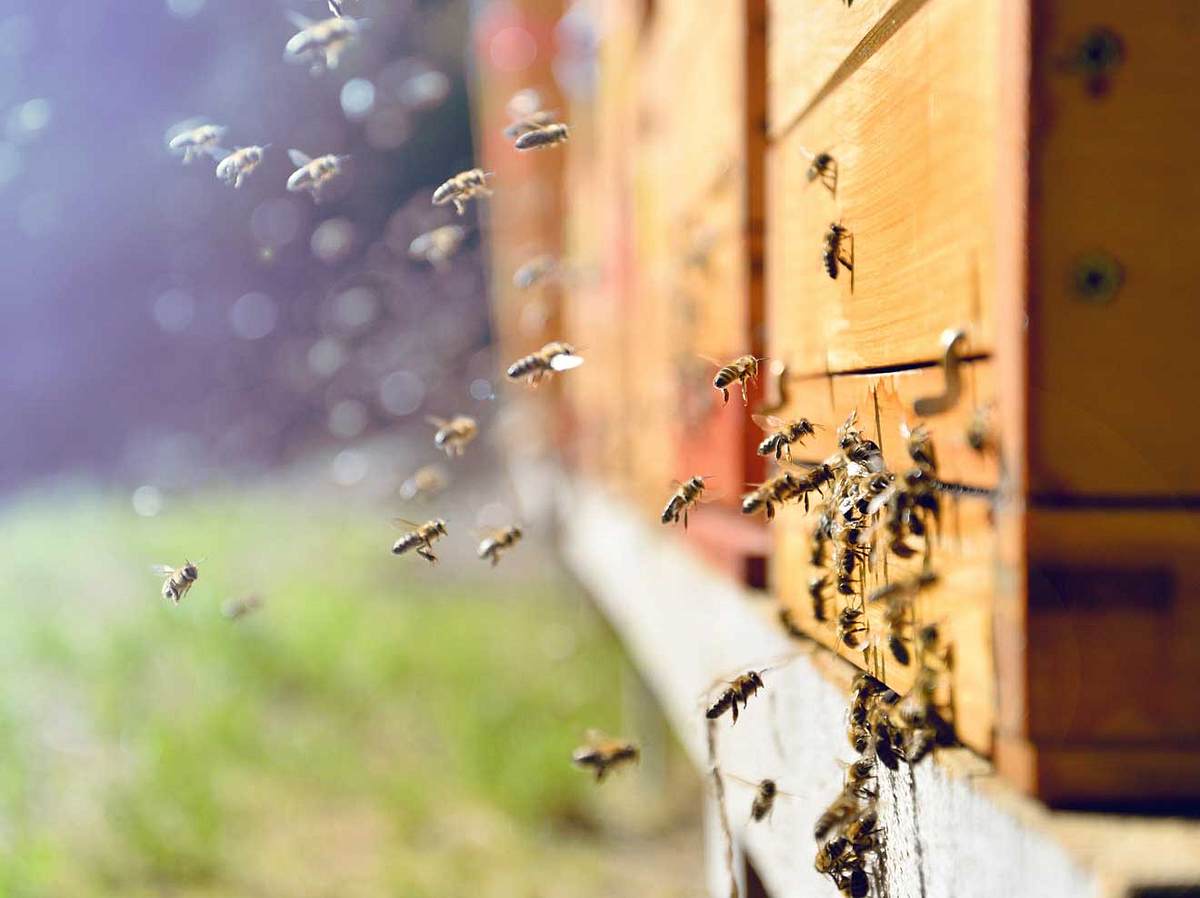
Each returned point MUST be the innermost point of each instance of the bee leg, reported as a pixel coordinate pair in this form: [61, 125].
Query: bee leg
[725, 393]
[685, 516]
[459, 206]
[770, 512]
[745, 398]
[495, 558]
[733, 705]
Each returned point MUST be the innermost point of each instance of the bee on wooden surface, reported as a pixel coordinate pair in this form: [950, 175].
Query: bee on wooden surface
[981, 434]
[740, 689]
[858, 778]
[847, 558]
[822, 536]
[233, 168]
[499, 542]
[782, 434]
[833, 254]
[823, 166]
[424, 483]
[545, 136]
[887, 739]
[741, 371]
[314, 175]
[462, 187]
[421, 537]
[178, 580]
[686, 496]
[603, 753]
[852, 880]
[850, 627]
[534, 271]
[860, 832]
[835, 816]
[788, 622]
[437, 246]
[197, 141]
[830, 855]
[766, 495]
[818, 591]
[552, 357]
[859, 736]
[920, 447]
[453, 436]
[321, 44]
[237, 608]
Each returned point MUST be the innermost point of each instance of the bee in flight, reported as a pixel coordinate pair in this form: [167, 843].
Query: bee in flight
[602, 753]
[782, 434]
[314, 175]
[424, 482]
[178, 580]
[545, 136]
[498, 542]
[421, 537]
[462, 187]
[556, 356]
[534, 272]
[453, 436]
[741, 370]
[686, 496]
[738, 690]
[526, 113]
[765, 793]
[823, 166]
[321, 44]
[234, 167]
[832, 255]
[197, 141]
[437, 246]
[237, 608]
[775, 491]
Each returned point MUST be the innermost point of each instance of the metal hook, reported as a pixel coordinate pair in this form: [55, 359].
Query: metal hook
[778, 397]
[926, 406]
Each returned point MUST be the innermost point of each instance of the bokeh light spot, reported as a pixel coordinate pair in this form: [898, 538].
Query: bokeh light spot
[185, 9]
[332, 240]
[347, 418]
[358, 98]
[513, 49]
[147, 500]
[326, 356]
[481, 389]
[355, 308]
[174, 310]
[253, 316]
[275, 222]
[402, 392]
[349, 467]
[10, 162]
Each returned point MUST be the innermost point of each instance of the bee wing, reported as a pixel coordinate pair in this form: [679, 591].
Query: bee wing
[299, 20]
[710, 360]
[405, 522]
[566, 362]
[436, 421]
[741, 779]
[596, 738]
[768, 422]
[162, 570]
[299, 159]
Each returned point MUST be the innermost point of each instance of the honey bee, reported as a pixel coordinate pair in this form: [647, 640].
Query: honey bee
[858, 778]
[534, 272]
[850, 627]
[528, 123]
[813, 481]
[860, 832]
[832, 255]
[421, 537]
[788, 622]
[782, 434]
[741, 370]
[437, 246]
[233, 168]
[852, 880]
[765, 793]
[920, 447]
[823, 166]
[835, 816]
[830, 855]
[201, 140]
[424, 483]
[819, 542]
[499, 542]
[453, 436]
[686, 496]
[462, 187]
[178, 580]
[818, 589]
[766, 495]
[980, 433]
[314, 175]
[602, 753]
[556, 356]
[237, 608]
[545, 136]
[739, 689]
[899, 595]
[321, 44]
[886, 738]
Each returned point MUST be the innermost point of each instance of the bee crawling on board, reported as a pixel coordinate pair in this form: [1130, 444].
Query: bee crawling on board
[437, 246]
[314, 175]
[234, 167]
[322, 43]
[453, 436]
[498, 542]
[552, 357]
[196, 140]
[241, 606]
[462, 187]
[833, 254]
[686, 496]
[738, 690]
[544, 136]
[421, 538]
[741, 371]
[782, 434]
[603, 753]
[178, 580]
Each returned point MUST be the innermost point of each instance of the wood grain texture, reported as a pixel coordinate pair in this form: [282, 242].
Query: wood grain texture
[1114, 173]
[963, 557]
[913, 132]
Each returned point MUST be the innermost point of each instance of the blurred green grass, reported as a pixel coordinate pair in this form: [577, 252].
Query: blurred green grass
[378, 728]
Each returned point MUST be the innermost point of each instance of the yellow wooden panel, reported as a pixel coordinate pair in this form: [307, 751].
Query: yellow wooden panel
[963, 557]
[913, 132]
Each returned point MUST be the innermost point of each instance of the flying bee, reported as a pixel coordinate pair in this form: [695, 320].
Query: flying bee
[981, 434]
[686, 496]
[546, 136]
[602, 753]
[818, 591]
[813, 481]
[462, 187]
[741, 370]
[739, 689]
[314, 175]
[178, 580]
[899, 595]
[424, 483]
[529, 123]
[765, 793]
[766, 495]
[832, 255]
[552, 357]
[237, 608]
[437, 246]
[453, 436]
[823, 166]
[920, 447]
[201, 140]
[421, 537]
[782, 434]
[321, 44]
[499, 542]
[534, 272]
[233, 168]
